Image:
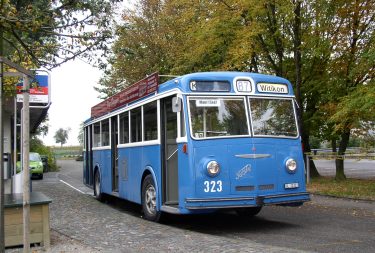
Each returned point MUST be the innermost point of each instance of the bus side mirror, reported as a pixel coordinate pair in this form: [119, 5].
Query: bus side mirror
[176, 104]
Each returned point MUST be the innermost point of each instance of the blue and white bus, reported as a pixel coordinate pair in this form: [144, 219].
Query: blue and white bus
[198, 143]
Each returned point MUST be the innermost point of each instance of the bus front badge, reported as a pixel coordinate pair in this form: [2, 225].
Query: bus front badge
[242, 172]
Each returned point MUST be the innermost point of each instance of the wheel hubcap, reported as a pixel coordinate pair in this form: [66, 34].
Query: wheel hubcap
[150, 199]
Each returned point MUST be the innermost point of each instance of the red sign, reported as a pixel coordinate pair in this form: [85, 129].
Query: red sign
[34, 91]
[39, 92]
[136, 91]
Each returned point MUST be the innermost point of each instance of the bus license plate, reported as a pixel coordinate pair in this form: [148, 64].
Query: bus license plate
[291, 185]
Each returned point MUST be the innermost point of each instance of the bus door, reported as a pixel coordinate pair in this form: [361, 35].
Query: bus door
[88, 168]
[170, 152]
[114, 153]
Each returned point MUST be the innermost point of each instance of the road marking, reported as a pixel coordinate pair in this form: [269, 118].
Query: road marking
[72, 186]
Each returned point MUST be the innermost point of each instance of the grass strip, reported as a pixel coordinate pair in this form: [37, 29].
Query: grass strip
[349, 188]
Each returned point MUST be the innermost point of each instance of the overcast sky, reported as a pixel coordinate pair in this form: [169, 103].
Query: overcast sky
[73, 93]
[72, 96]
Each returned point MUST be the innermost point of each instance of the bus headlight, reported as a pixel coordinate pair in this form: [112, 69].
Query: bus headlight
[213, 168]
[291, 165]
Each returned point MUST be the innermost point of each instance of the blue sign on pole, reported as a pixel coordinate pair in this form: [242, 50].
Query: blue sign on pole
[39, 89]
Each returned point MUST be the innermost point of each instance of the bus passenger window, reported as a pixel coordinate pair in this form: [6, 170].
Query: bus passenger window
[124, 128]
[96, 142]
[105, 132]
[136, 125]
[171, 119]
[150, 118]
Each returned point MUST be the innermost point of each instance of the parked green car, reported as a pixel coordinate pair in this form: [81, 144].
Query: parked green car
[35, 165]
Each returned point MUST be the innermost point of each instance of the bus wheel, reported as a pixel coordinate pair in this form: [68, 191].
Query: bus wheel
[97, 187]
[149, 200]
[248, 211]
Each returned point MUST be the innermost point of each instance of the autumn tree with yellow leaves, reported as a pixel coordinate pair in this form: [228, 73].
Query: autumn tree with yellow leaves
[326, 48]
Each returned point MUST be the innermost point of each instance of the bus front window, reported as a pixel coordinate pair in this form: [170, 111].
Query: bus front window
[273, 117]
[217, 117]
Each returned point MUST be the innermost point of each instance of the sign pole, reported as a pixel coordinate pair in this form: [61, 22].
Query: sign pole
[2, 224]
[25, 163]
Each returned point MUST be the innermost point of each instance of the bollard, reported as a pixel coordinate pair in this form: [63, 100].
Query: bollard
[307, 169]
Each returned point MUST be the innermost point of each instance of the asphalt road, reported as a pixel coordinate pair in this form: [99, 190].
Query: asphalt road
[363, 169]
[322, 225]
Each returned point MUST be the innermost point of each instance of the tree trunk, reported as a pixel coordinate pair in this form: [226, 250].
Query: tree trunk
[298, 61]
[340, 173]
[298, 76]
[334, 146]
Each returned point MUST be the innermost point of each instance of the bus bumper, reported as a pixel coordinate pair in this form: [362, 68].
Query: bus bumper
[293, 199]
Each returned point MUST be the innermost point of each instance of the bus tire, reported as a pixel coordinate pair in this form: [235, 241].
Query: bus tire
[248, 211]
[149, 200]
[97, 186]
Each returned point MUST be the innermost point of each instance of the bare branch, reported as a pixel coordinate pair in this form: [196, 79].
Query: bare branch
[28, 50]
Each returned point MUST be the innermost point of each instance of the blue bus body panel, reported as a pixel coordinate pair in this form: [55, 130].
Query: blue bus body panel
[85, 171]
[102, 160]
[244, 181]
[133, 161]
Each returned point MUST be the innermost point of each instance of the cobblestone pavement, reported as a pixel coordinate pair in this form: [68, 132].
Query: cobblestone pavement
[79, 223]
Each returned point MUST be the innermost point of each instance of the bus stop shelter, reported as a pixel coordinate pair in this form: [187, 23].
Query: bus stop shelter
[20, 115]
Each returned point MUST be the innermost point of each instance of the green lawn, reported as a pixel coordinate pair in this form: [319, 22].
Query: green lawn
[350, 188]
[68, 152]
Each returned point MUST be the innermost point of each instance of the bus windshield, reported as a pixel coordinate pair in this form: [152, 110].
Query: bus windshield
[218, 117]
[273, 117]
[224, 117]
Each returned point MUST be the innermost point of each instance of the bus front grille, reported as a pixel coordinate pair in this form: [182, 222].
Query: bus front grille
[266, 187]
[245, 188]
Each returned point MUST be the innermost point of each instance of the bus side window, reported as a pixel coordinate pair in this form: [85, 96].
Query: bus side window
[96, 142]
[105, 132]
[177, 107]
[136, 125]
[150, 118]
[124, 128]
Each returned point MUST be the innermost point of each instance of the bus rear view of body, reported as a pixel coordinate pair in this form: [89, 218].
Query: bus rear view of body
[199, 143]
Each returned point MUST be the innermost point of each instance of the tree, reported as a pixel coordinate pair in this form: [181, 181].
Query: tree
[143, 46]
[81, 135]
[61, 135]
[49, 33]
[326, 49]
[36, 145]
[349, 97]
[43, 128]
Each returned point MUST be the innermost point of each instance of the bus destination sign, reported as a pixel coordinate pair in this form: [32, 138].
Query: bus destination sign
[272, 88]
[136, 91]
